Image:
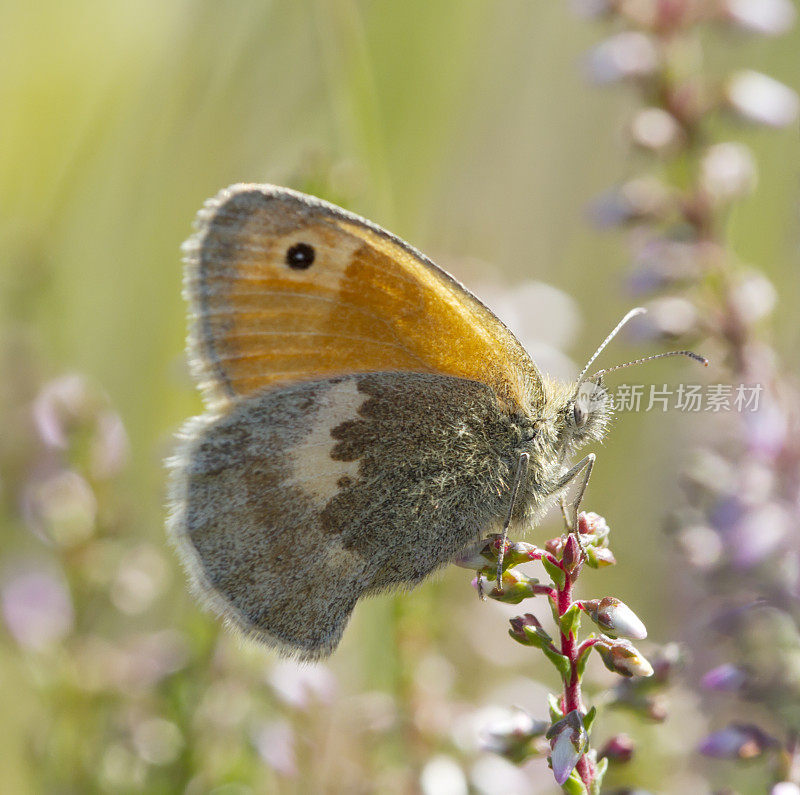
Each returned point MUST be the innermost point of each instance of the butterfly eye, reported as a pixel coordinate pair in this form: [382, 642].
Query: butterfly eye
[300, 256]
[579, 415]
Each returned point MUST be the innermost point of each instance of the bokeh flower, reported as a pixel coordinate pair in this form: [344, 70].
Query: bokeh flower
[37, 607]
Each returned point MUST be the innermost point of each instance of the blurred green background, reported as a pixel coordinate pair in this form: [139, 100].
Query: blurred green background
[465, 127]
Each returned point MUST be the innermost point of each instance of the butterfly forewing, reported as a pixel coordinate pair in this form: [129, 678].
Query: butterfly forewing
[285, 288]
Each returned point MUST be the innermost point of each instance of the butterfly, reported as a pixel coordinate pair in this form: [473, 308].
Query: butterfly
[367, 418]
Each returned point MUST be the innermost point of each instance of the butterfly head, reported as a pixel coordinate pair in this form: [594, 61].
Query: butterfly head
[579, 414]
[585, 407]
[587, 413]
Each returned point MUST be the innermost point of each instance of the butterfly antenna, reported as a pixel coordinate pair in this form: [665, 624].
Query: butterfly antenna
[691, 354]
[639, 310]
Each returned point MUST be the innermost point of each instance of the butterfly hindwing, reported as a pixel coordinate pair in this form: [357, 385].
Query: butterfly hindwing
[297, 500]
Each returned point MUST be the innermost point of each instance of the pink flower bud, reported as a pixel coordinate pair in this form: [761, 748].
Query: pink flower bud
[518, 624]
[724, 678]
[555, 546]
[669, 316]
[761, 99]
[656, 130]
[572, 555]
[275, 743]
[661, 263]
[625, 56]
[516, 587]
[110, 446]
[591, 523]
[615, 617]
[728, 171]
[302, 686]
[618, 749]
[600, 557]
[702, 546]
[37, 608]
[656, 707]
[63, 404]
[769, 17]
[61, 507]
[442, 773]
[519, 552]
[622, 657]
[754, 296]
[759, 533]
[636, 200]
[737, 741]
[568, 740]
[483, 553]
[666, 660]
[514, 735]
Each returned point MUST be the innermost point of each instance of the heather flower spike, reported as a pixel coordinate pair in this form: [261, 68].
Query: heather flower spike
[735, 526]
[577, 768]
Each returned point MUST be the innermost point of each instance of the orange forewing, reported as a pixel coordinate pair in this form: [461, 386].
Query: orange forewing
[368, 302]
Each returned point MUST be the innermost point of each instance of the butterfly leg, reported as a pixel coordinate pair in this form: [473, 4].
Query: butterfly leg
[585, 466]
[522, 468]
[562, 503]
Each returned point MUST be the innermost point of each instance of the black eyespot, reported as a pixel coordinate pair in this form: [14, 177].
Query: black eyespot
[579, 415]
[300, 256]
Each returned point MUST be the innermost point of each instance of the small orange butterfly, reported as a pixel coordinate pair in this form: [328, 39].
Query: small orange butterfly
[368, 418]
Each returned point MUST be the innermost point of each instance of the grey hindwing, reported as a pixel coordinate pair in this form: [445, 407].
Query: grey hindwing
[299, 499]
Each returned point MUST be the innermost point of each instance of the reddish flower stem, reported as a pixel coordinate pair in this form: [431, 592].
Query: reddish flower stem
[585, 646]
[541, 554]
[572, 688]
